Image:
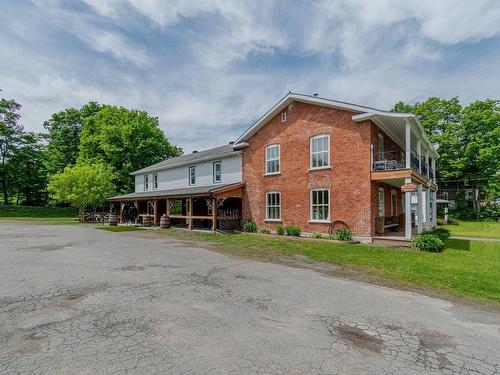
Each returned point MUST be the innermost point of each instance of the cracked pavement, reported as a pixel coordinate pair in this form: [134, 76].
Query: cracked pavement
[74, 299]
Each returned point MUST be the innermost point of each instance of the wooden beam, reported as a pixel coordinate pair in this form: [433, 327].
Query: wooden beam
[155, 212]
[190, 213]
[167, 208]
[214, 214]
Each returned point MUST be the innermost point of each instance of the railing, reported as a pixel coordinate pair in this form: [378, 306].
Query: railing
[414, 160]
[431, 175]
[425, 167]
[390, 160]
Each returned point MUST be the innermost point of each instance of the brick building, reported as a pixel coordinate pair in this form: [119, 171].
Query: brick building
[309, 162]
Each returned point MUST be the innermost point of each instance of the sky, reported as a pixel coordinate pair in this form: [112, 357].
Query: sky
[208, 69]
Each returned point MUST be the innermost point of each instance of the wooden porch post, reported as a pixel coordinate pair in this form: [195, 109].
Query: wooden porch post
[408, 226]
[167, 208]
[214, 214]
[190, 213]
[155, 212]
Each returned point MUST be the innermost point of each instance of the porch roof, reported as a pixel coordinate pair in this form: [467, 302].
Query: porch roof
[183, 192]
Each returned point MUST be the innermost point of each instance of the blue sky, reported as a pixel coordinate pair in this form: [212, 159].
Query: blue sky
[208, 69]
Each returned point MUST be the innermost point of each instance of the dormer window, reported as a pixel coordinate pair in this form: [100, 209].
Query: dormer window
[283, 117]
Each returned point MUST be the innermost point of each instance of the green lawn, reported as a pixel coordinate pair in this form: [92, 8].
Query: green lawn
[42, 215]
[489, 229]
[119, 229]
[465, 268]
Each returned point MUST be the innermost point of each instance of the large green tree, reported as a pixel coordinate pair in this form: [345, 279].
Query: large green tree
[64, 136]
[82, 186]
[29, 181]
[10, 133]
[125, 140]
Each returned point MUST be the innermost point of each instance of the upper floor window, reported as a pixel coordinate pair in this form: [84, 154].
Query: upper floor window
[320, 151]
[283, 117]
[146, 182]
[217, 171]
[192, 175]
[320, 205]
[155, 181]
[273, 205]
[272, 159]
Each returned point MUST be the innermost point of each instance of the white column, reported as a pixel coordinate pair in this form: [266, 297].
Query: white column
[419, 152]
[408, 144]
[434, 209]
[433, 162]
[427, 162]
[419, 208]
[408, 211]
[427, 209]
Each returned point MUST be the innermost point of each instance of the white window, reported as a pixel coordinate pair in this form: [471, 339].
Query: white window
[320, 151]
[283, 117]
[192, 175]
[155, 181]
[272, 159]
[146, 182]
[320, 205]
[273, 205]
[381, 202]
[217, 171]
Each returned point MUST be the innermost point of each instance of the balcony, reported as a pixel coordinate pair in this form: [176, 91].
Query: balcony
[388, 161]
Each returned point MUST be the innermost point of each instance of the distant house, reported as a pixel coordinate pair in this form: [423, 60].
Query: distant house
[310, 162]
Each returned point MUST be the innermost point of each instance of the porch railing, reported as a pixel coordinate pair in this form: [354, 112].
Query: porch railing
[390, 160]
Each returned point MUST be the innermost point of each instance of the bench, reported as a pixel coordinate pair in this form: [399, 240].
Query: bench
[391, 222]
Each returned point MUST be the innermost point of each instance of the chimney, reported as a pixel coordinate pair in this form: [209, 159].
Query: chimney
[231, 143]
[315, 94]
[195, 152]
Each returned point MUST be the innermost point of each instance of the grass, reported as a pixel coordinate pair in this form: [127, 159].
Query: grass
[488, 229]
[41, 220]
[13, 211]
[466, 268]
[120, 229]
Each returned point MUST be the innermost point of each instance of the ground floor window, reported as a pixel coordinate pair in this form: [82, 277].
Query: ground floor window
[320, 205]
[381, 202]
[273, 205]
[394, 203]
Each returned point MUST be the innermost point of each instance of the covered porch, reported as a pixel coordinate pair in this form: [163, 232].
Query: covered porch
[209, 208]
[409, 209]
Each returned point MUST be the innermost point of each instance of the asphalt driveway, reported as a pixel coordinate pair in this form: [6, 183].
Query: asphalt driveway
[75, 299]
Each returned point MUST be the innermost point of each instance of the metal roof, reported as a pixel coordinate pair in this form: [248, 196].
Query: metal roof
[210, 154]
[193, 190]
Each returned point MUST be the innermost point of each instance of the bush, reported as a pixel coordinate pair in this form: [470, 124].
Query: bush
[250, 226]
[317, 235]
[292, 231]
[343, 235]
[280, 230]
[441, 232]
[265, 231]
[427, 242]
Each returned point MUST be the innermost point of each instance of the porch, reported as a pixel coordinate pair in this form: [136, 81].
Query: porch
[209, 208]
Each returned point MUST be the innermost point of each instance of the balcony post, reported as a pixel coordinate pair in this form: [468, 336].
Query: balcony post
[408, 145]
[434, 209]
[371, 157]
[427, 209]
[408, 211]
[433, 162]
[419, 208]
[419, 152]
[427, 162]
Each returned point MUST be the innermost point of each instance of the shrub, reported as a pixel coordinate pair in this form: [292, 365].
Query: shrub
[317, 235]
[292, 231]
[427, 242]
[280, 230]
[442, 232]
[265, 231]
[343, 235]
[250, 226]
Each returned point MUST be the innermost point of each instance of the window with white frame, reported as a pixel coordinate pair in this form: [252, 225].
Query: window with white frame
[320, 205]
[192, 175]
[155, 181]
[217, 171]
[273, 205]
[272, 159]
[381, 202]
[283, 117]
[146, 182]
[320, 151]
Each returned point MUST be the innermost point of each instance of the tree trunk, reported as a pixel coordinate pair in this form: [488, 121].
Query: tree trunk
[475, 200]
[82, 214]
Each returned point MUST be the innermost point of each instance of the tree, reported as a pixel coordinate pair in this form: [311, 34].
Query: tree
[125, 140]
[30, 177]
[64, 136]
[82, 185]
[10, 132]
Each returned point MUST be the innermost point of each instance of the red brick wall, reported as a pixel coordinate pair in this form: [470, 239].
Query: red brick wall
[348, 179]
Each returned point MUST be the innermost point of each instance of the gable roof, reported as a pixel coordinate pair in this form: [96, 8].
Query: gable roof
[210, 154]
[360, 113]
